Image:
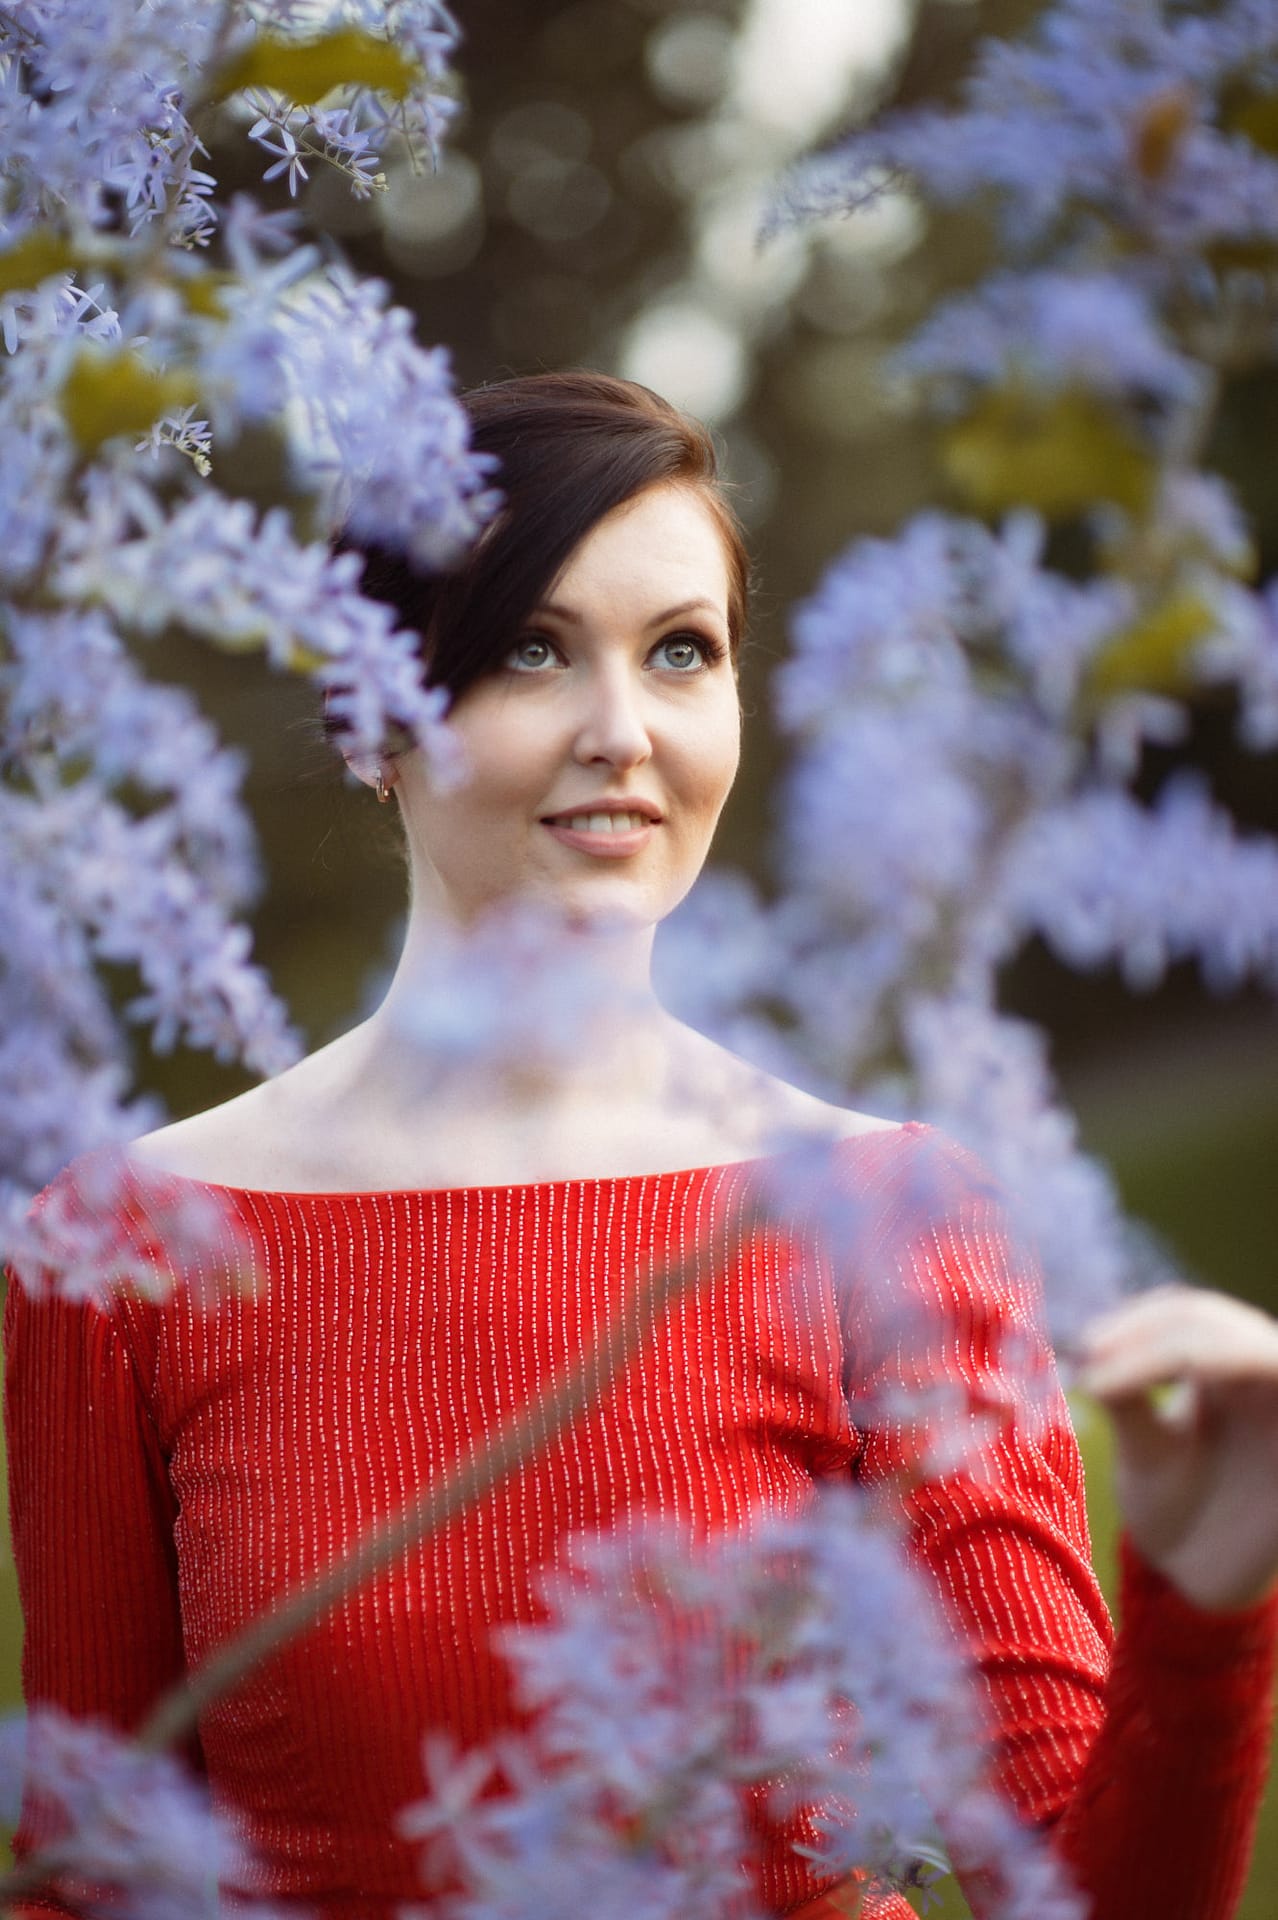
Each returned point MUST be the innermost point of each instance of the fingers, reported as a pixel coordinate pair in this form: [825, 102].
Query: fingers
[1177, 1334]
[1146, 1424]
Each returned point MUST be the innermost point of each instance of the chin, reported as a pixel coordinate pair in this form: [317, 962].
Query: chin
[604, 905]
[604, 912]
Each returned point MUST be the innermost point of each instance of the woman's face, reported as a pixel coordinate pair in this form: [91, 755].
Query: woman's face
[602, 749]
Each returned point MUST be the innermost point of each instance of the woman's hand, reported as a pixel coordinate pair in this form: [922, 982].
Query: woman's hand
[1196, 1466]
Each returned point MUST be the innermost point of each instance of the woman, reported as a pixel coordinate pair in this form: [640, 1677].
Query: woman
[438, 1236]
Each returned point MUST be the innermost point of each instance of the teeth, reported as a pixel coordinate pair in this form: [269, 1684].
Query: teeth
[605, 822]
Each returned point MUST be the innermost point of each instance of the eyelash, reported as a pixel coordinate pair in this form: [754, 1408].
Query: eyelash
[712, 651]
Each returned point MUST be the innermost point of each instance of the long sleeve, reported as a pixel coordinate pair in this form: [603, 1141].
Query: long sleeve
[1176, 1774]
[92, 1518]
[1145, 1759]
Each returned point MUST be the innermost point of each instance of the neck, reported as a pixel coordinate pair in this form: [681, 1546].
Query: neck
[522, 1010]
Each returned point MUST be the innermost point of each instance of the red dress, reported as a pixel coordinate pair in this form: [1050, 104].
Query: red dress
[173, 1469]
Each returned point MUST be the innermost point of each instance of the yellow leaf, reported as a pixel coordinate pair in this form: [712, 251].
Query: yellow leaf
[305, 659]
[35, 259]
[1255, 114]
[1058, 453]
[1156, 654]
[304, 71]
[111, 391]
[1242, 256]
[1160, 130]
[201, 293]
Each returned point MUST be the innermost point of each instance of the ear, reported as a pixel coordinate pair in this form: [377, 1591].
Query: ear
[365, 766]
[369, 770]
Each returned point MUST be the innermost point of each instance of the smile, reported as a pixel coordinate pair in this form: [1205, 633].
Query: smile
[611, 835]
[600, 822]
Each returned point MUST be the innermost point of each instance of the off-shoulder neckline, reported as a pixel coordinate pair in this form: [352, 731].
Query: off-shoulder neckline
[158, 1178]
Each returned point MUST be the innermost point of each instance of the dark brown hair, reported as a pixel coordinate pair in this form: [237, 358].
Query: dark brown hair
[569, 448]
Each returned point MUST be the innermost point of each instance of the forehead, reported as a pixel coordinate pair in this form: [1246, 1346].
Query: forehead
[662, 547]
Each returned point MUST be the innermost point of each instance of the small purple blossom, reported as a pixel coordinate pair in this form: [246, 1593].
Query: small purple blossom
[277, 137]
[131, 1836]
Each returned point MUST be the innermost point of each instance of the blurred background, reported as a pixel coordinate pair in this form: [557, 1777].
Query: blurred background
[597, 206]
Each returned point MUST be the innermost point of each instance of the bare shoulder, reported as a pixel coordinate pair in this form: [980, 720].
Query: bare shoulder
[806, 1113]
[765, 1108]
[221, 1144]
[260, 1138]
[842, 1123]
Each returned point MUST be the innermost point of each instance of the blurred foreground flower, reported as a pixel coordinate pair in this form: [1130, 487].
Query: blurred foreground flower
[685, 1698]
[125, 1834]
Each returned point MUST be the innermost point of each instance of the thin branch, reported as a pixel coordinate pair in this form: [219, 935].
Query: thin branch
[514, 1443]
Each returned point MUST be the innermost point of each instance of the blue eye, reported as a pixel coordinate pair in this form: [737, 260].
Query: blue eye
[686, 652]
[530, 654]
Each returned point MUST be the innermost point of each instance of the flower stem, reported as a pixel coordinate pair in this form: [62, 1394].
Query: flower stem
[513, 1444]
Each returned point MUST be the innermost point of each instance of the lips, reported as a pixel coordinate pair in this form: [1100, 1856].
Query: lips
[600, 822]
[610, 817]
[612, 832]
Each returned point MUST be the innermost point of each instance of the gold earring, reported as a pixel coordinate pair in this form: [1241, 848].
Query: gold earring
[383, 793]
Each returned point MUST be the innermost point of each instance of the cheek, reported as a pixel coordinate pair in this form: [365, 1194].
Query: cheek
[719, 756]
[507, 774]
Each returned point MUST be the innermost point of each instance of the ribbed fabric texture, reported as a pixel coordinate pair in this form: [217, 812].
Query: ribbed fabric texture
[173, 1469]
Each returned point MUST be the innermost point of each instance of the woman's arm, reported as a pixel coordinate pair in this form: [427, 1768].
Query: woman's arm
[1145, 1760]
[92, 1517]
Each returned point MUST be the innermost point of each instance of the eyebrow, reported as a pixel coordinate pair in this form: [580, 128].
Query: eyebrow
[658, 619]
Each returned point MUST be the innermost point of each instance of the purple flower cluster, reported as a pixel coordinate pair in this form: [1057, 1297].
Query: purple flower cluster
[122, 841]
[108, 1225]
[985, 1079]
[91, 107]
[1099, 332]
[95, 96]
[963, 745]
[1108, 882]
[682, 1696]
[90, 882]
[131, 1836]
[395, 449]
[350, 137]
[1109, 112]
[968, 722]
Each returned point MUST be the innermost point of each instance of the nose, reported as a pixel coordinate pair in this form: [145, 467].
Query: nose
[612, 729]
